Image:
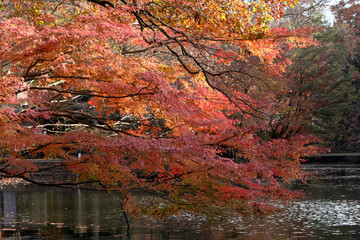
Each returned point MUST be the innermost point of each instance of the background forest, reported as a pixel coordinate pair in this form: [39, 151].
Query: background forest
[329, 71]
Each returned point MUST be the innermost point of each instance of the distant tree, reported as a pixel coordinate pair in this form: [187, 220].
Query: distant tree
[322, 93]
[305, 13]
[347, 14]
[322, 81]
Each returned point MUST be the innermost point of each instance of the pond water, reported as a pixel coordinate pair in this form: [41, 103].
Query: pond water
[331, 210]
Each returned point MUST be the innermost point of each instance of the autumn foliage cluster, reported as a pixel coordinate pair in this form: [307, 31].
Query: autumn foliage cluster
[184, 100]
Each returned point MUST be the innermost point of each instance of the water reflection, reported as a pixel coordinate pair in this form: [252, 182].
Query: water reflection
[331, 211]
[9, 208]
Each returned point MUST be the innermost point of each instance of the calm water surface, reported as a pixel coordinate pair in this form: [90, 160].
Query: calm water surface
[331, 210]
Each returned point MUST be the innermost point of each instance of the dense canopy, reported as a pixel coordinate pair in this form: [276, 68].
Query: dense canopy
[185, 100]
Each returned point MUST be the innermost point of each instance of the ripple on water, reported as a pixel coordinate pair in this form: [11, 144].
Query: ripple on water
[308, 219]
[325, 212]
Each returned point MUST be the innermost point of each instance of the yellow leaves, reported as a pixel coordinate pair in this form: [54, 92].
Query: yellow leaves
[223, 17]
[218, 18]
[187, 22]
[171, 73]
[40, 22]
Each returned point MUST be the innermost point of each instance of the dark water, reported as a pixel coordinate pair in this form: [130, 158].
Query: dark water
[331, 210]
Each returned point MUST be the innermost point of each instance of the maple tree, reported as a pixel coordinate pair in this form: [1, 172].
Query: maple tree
[153, 94]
